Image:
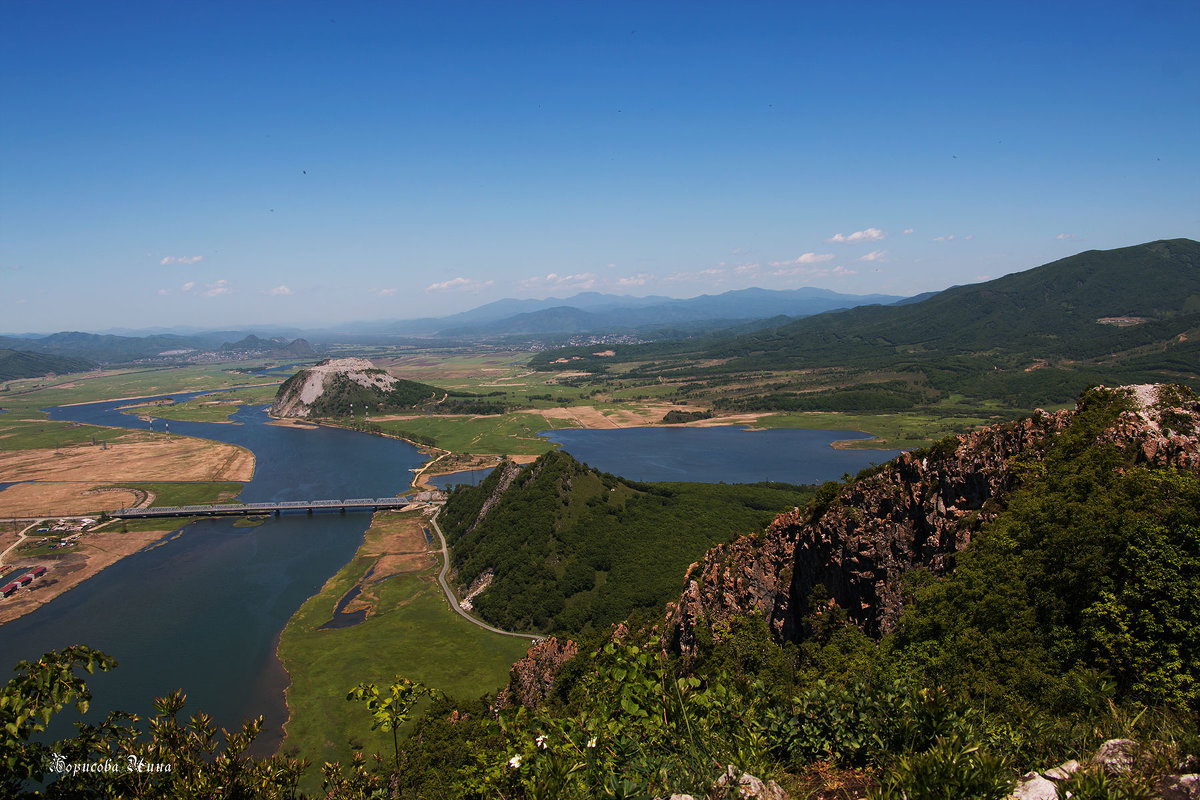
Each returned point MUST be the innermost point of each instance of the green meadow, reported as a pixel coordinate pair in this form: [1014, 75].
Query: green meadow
[412, 632]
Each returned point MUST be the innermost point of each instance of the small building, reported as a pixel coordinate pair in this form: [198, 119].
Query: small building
[10, 588]
[25, 579]
[39, 572]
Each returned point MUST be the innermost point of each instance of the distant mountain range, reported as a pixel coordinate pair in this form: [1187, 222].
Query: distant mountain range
[651, 317]
[608, 314]
[1130, 314]
[73, 351]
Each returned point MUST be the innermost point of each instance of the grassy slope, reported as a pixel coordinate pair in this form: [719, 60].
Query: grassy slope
[413, 633]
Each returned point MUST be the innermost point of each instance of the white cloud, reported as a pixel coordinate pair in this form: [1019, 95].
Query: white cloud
[279, 291]
[164, 292]
[951, 237]
[382, 292]
[21, 301]
[907, 231]
[806, 258]
[580, 280]
[874, 255]
[635, 280]
[180, 260]
[187, 287]
[459, 284]
[217, 289]
[982, 278]
[1065, 236]
[746, 269]
[943, 238]
[969, 236]
[868, 235]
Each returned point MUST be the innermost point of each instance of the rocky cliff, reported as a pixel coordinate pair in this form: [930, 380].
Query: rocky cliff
[338, 386]
[917, 511]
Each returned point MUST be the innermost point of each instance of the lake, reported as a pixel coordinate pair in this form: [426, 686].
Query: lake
[718, 454]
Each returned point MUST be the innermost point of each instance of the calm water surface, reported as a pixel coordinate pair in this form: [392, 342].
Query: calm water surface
[723, 453]
[203, 610]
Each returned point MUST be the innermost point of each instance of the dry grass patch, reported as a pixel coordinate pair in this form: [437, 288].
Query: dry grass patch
[592, 417]
[179, 458]
[41, 498]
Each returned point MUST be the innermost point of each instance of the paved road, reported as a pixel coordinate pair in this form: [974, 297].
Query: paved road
[450, 592]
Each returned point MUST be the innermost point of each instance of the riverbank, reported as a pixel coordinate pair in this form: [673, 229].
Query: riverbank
[408, 629]
[94, 551]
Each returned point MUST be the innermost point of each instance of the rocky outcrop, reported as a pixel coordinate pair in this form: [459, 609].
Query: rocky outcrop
[531, 680]
[301, 392]
[1115, 757]
[917, 511]
[508, 473]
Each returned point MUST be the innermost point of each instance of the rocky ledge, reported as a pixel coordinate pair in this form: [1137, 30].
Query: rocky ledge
[917, 511]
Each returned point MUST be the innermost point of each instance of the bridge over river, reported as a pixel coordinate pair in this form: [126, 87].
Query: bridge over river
[248, 509]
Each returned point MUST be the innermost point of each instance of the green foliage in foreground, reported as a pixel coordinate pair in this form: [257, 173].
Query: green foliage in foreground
[1092, 575]
[572, 548]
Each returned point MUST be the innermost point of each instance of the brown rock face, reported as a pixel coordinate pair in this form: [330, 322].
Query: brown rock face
[531, 680]
[914, 512]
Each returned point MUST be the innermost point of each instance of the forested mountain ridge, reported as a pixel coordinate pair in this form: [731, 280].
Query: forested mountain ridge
[24, 364]
[1086, 305]
[1129, 315]
[568, 548]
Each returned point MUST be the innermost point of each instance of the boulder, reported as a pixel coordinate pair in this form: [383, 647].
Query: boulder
[1179, 787]
[749, 787]
[1033, 786]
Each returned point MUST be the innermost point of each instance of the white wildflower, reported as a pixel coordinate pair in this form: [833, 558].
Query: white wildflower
[541, 741]
[515, 761]
[592, 742]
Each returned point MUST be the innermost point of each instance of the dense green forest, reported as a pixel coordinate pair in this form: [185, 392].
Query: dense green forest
[573, 549]
[23, 364]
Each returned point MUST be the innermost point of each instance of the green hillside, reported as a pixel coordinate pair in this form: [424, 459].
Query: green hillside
[23, 364]
[573, 548]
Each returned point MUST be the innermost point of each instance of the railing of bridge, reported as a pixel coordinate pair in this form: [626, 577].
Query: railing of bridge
[357, 503]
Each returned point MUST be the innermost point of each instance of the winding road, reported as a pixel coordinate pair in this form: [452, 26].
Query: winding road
[450, 592]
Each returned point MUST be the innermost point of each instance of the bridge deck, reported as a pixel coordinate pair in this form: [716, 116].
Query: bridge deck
[245, 509]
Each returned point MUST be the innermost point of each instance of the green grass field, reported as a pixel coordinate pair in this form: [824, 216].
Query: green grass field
[413, 633]
[186, 493]
[26, 397]
[34, 434]
[901, 431]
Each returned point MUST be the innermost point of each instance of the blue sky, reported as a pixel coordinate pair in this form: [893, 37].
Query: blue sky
[222, 163]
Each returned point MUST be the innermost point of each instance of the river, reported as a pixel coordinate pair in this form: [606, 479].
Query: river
[203, 610]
